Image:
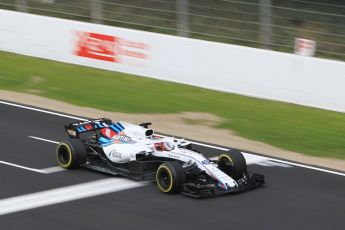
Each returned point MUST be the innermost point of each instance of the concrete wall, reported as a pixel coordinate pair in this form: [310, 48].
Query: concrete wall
[255, 72]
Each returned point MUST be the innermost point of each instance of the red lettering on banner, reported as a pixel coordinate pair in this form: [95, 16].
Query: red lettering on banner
[137, 45]
[97, 46]
[109, 48]
[134, 54]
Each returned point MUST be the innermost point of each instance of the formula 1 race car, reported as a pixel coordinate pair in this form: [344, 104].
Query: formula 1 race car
[134, 151]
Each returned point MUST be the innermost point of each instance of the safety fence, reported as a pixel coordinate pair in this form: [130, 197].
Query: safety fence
[269, 24]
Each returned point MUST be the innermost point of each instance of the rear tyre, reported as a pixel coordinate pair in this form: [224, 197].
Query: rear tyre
[169, 177]
[71, 153]
[233, 164]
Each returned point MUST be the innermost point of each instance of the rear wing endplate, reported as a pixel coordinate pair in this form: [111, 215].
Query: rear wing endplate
[74, 129]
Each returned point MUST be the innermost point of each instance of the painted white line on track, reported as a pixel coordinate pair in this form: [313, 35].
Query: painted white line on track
[65, 194]
[308, 167]
[44, 171]
[22, 167]
[43, 139]
[300, 165]
[53, 169]
[215, 147]
[273, 164]
[42, 110]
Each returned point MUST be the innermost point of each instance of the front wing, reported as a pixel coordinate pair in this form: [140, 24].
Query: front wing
[248, 182]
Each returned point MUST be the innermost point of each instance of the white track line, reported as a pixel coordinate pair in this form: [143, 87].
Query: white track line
[65, 194]
[308, 167]
[53, 169]
[44, 171]
[22, 167]
[42, 110]
[49, 170]
[83, 119]
[42, 139]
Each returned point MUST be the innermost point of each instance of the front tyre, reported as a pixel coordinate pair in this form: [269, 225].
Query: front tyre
[233, 164]
[170, 176]
[71, 153]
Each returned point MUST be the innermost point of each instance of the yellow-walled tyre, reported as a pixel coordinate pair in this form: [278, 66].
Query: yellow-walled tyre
[233, 164]
[169, 177]
[71, 153]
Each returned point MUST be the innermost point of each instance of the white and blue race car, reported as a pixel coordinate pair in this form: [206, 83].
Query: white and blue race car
[134, 151]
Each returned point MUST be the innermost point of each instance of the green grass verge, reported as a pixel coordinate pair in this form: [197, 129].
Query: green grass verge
[292, 127]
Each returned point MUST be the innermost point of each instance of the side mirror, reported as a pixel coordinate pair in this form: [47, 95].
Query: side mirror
[145, 125]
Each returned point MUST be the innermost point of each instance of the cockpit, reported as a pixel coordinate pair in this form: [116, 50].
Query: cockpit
[164, 146]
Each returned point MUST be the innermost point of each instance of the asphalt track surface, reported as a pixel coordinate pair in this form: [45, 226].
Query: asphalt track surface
[293, 197]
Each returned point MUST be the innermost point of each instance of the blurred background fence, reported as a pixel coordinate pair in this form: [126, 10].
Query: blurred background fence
[269, 24]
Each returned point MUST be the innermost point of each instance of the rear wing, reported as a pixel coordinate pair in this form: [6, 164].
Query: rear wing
[74, 129]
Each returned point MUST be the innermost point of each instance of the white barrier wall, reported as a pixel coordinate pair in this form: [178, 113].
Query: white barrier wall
[260, 73]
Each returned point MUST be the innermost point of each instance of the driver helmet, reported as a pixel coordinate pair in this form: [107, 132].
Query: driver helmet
[169, 146]
[164, 146]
